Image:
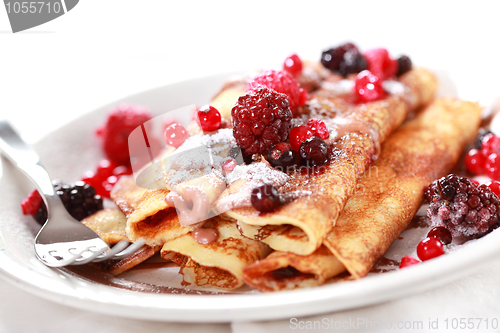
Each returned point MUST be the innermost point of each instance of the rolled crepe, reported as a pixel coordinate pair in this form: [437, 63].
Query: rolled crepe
[419, 152]
[332, 184]
[217, 264]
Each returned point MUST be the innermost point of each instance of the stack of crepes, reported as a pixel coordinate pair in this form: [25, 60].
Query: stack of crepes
[304, 242]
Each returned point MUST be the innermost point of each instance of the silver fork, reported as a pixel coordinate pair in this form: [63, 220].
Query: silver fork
[62, 240]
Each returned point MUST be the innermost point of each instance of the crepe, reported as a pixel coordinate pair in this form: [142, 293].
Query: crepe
[419, 152]
[302, 225]
[109, 224]
[219, 263]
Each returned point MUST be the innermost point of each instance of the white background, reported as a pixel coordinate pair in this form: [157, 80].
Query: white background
[103, 50]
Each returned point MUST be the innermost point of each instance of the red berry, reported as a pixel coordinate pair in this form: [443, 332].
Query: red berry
[318, 127]
[208, 118]
[120, 123]
[299, 134]
[368, 87]
[261, 118]
[229, 164]
[293, 64]
[265, 198]
[474, 161]
[176, 134]
[429, 248]
[494, 186]
[380, 64]
[408, 261]
[490, 144]
[441, 233]
[32, 203]
[122, 171]
[281, 82]
[105, 169]
[492, 166]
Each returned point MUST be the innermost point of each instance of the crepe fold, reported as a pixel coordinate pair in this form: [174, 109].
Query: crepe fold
[301, 226]
[217, 264]
[420, 151]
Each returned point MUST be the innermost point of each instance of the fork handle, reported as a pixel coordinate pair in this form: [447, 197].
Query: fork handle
[25, 157]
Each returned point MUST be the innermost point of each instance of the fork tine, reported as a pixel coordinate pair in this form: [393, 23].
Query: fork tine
[94, 255]
[114, 250]
[129, 250]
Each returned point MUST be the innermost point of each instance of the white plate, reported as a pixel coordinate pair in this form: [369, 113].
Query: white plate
[73, 149]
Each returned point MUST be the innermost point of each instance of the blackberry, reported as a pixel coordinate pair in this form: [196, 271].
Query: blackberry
[353, 63]
[314, 151]
[480, 136]
[404, 65]
[344, 59]
[261, 118]
[265, 198]
[281, 156]
[463, 207]
[80, 199]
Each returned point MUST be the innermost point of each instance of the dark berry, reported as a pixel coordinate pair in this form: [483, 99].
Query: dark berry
[283, 83]
[314, 151]
[480, 136]
[368, 87]
[441, 233]
[281, 156]
[408, 261]
[80, 199]
[299, 134]
[404, 65]
[261, 118]
[463, 207]
[208, 118]
[293, 64]
[333, 57]
[429, 248]
[474, 161]
[265, 198]
[352, 63]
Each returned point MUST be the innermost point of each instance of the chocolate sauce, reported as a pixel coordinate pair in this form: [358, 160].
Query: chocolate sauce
[206, 235]
[385, 265]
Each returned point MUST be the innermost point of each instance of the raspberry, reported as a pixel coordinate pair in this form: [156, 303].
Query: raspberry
[314, 151]
[281, 82]
[441, 233]
[32, 202]
[293, 64]
[208, 118]
[80, 200]
[429, 248]
[299, 134]
[404, 65]
[175, 135]
[265, 198]
[261, 118]
[120, 123]
[380, 63]
[408, 261]
[474, 161]
[318, 128]
[464, 208]
[368, 87]
[281, 156]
